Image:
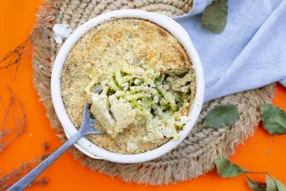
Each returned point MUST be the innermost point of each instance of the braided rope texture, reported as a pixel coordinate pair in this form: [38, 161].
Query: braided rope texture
[196, 154]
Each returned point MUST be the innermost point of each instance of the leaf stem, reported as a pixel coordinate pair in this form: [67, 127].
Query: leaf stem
[252, 172]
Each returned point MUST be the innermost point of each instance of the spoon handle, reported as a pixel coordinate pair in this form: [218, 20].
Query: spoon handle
[30, 176]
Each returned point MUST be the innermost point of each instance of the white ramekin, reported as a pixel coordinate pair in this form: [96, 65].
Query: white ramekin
[86, 146]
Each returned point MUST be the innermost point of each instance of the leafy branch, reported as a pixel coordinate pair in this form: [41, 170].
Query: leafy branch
[226, 170]
[274, 121]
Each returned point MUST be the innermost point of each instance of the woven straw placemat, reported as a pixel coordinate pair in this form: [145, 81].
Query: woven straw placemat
[196, 154]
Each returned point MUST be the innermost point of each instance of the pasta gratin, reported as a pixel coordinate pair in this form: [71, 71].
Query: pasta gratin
[147, 80]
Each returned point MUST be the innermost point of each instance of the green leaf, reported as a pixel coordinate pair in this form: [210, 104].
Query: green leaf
[256, 186]
[221, 116]
[271, 186]
[226, 169]
[215, 16]
[274, 119]
[280, 186]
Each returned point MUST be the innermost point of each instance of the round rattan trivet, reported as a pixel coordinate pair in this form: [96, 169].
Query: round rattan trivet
[196, 154]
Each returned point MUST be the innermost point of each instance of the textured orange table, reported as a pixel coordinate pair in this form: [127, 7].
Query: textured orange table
[17, 18]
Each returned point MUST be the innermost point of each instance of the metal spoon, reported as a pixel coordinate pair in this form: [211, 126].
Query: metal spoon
[87, 127]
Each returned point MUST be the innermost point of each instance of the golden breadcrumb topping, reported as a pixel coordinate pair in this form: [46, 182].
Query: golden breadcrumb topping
[148, 84]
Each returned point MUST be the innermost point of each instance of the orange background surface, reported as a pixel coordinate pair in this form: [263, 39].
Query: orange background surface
[17, 18]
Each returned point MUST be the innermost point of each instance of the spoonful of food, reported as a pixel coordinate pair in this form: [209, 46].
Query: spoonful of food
[87, 127]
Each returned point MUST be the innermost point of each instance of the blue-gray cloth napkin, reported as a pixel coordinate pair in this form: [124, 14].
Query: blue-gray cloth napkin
[251, 51]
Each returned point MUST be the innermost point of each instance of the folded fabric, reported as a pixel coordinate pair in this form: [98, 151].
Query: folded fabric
[251, 51]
